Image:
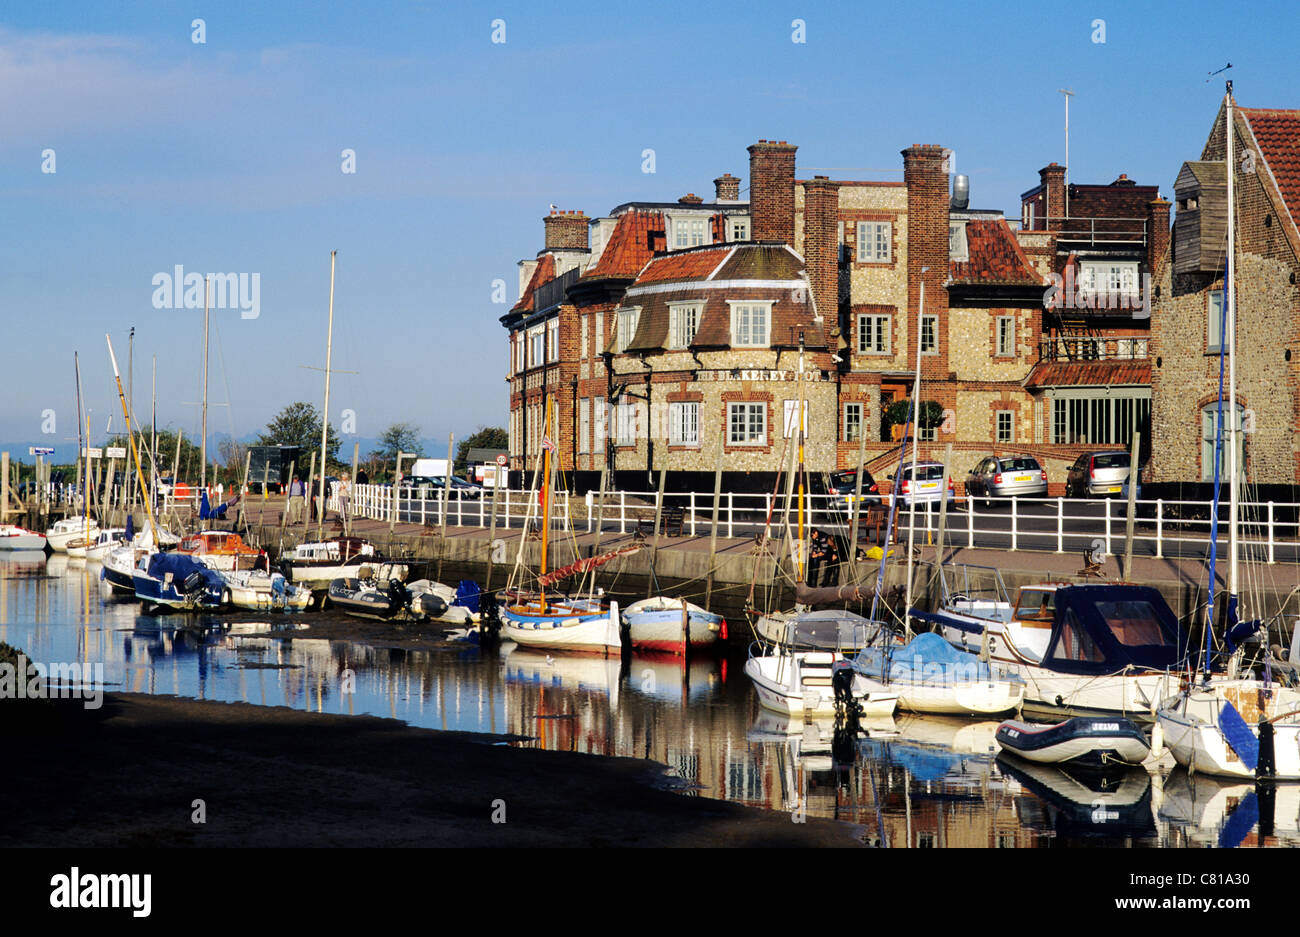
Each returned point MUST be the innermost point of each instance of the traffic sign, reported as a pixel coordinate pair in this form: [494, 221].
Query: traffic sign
[40, 450]
[502, 460]
[116, 452]
[94, 453]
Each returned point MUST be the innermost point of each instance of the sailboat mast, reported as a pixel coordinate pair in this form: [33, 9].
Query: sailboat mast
[1230, 341]
[546, 493]
[916, 422]
[153, 434]
[130, 435]
[325, 417]
[203, 443]
[802, 554]
[83, 455]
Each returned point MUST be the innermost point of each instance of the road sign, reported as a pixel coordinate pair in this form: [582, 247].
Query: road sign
[116, 452]
[94, 453]
[40, 450]
[502, 460]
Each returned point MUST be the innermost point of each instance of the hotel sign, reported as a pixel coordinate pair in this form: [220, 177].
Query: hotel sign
[768, 376]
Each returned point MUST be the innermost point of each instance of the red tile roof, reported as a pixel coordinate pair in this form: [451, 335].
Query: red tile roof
[1089, 373]
[637, 237]
[684, 265]
[544, 272]
[1278, 134]
[995, 256]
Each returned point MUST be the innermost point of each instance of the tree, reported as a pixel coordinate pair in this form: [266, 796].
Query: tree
[400, 437]
[232, 453]
[190, 453]
[930, 415]
[492, 437]
[299, 425]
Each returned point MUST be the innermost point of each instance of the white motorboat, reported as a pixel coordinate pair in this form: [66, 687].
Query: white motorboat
[69, 529]
[98, 546]
[318, 563]
[1235, 729]
[797, 674]
[931, 676]
[13, 537]
[261, 591]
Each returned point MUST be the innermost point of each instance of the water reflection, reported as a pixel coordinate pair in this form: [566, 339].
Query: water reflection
[907, 782]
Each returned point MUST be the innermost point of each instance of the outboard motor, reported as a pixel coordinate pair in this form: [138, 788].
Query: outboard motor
[489, 623]
[399, 594]
[193, 585]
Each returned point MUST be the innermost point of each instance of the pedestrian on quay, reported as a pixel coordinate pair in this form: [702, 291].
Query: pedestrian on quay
[296, 499]
[345, 493]
[362, 477]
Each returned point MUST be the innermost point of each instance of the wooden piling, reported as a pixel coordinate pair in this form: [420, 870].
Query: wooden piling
[654, 550]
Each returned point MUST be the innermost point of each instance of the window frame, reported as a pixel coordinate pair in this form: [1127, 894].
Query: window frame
[932, 320]
[861, 408]
[738, 304]
[678, 420]
[870, 242]
[752, 408]
[622, 316]
[886, 332]
[1214, 324]
[1009, 349]
[676, 312]
[1010, 436]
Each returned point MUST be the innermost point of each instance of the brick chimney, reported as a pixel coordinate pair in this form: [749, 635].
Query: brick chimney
[726, 188]
[1053, 180]
[821, 244]
[926, 178]
[567, 229]
[690, 199]
[1157, 232]
[771, 190]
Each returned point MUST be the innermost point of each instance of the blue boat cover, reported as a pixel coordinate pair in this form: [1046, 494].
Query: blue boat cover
[1238, 735]
[1240, 822]
[467, 595]
[180, 566]
[1104, 629]
[927, 658]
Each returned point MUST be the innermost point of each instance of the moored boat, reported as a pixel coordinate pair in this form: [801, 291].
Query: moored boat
[1084, 741]
[223, 550]
[13, 537]
[655, 624]
[318, 563]
[62, 532]
[931, 676]
[261, 591]
[178, 581]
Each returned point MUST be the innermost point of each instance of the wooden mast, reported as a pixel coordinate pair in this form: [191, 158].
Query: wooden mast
[546, 493]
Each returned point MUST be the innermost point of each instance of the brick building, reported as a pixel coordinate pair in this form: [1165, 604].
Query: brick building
[672, 330]
[1185, 337]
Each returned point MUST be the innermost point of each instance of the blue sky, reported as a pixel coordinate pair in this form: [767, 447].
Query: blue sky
[225, 156]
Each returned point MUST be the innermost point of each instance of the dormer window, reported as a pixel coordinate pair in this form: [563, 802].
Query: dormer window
[684, 322]
[626, 327]
[739, 229]
[689, 232]
[751, 324]
[958, 250]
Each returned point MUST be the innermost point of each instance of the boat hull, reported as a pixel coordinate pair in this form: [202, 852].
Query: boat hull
[1081, 741]
[659, 628]
[799, 684]
[1190, 728]
[594, 630]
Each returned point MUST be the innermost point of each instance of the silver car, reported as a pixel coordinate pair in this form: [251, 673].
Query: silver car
[1098, 473]
[1006, 477]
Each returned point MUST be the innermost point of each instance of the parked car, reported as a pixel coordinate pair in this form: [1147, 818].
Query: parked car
[1098, 473]
[845, 483]
[922, 483]
[430, 486]
[1006, 477]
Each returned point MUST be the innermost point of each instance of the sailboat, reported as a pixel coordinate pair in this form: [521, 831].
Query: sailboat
[1232, 727]
[580, 623]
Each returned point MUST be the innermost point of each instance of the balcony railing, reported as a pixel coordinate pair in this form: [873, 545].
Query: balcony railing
[1092, 232]
[1092, 349]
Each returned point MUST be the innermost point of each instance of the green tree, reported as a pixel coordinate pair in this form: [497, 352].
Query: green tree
[491, 437]
[299, 424]
[400, 437]
[191, 455]
[896, 414]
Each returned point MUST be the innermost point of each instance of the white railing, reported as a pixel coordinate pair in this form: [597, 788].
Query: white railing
[1162, 529]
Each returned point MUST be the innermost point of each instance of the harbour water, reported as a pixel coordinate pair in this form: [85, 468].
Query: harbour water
[911, 781]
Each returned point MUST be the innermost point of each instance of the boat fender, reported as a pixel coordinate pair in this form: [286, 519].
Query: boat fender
[225, 596]
[1157, 740]
[1059, 700]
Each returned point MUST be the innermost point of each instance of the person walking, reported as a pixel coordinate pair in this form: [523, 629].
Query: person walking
[345, 494]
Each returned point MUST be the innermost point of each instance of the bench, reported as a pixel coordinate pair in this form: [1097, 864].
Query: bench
[670, 522]
[875, 517]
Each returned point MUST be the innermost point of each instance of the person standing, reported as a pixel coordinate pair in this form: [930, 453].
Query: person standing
[296, 500]
[344, 493]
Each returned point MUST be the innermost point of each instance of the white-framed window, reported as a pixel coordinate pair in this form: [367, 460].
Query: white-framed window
[536, 346]
[553, 340]
[1214, 323]
[747, 424]
[958, 250]
[1210, 431]
[625, 419]
[1131, 348]
[626, 327]
[874, 241]
[683, 323]
[584, 425]
[584, 351]
[739, 228]
[602, 424]
[1114, 279]
[1006, 332]
[751, 324]
[927, 433]
[791, 407]
[1005, 420]
[929, 335]
[601, 338]
[873, 334]
[853, 421]
[520, 363]
[684, 423]
[690, 232]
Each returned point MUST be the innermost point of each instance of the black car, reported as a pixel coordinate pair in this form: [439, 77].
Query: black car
[844, 484]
